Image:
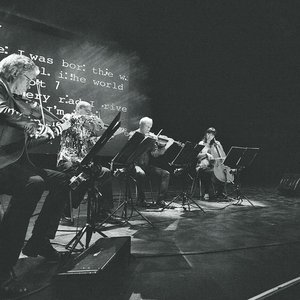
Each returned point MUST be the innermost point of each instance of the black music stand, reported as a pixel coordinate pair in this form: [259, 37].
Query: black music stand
[239, 158]
[93, 193]
[183, 160]
[124, 160]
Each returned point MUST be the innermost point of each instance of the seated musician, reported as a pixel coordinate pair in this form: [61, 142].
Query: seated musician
[143, 167]
[212, 151]
[75, 143]
[20, 178]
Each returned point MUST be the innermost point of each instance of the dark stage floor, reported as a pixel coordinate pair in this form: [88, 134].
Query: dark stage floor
[228, 252]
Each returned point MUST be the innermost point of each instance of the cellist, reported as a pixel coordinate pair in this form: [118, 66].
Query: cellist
[211, 153]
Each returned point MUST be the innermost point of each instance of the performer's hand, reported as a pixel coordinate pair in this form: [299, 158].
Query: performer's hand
[169, 143]
[209, 156]
[47, 133]
[31, 129]
[101, 123]
[65, 125]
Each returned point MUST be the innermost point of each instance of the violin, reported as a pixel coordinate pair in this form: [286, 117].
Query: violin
[33, 109]
[162, 140]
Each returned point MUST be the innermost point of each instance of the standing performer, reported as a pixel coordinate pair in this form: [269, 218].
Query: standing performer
[211, 152]
[75, 144]
[143, 167]
[20, 178]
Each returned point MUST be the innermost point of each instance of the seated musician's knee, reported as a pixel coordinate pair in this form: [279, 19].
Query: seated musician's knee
[165, 174]
[139, 171]
[105, 173]
[30, 193]
[36, 184]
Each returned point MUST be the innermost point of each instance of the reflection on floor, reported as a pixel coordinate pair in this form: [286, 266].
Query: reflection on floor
[227, 252]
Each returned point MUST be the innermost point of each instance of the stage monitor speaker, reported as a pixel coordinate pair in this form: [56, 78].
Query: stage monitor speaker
[289, 183]
[95, 273]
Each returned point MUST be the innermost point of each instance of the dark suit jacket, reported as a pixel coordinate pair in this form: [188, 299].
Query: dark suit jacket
[13, 137]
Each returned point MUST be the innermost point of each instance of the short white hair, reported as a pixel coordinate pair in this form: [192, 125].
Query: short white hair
[15, 65]
[82, 104]
[145, 120]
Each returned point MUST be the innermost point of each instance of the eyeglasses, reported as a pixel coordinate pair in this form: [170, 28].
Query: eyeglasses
[29, 79]
[87, 110]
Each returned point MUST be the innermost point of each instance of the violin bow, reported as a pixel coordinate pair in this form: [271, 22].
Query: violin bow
[38, 87]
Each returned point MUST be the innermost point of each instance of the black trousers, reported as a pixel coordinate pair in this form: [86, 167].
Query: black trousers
[211, 184]
[26, 184]
[163, 175]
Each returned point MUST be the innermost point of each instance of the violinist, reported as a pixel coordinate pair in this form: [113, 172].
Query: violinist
[211, 152]
[21, 179]
[75, 144]
[143, 166]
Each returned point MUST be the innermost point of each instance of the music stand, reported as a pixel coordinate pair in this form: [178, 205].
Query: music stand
[183, 160]
[92, 190]
[239, 158]
[134, 148]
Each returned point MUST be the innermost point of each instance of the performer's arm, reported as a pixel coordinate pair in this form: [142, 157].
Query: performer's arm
[94, 124]
[45, 133]
[33, 127]
[15, 118]
[204, 154]
[161, 151]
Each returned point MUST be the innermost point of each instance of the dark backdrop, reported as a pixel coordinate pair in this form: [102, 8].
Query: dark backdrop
[233, 65]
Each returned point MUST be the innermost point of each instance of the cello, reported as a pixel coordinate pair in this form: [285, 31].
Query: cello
[222, 173]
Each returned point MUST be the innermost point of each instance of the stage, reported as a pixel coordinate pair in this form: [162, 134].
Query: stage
[226, 252]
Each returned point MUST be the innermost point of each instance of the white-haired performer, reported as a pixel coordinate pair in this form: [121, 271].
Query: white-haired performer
[143, 166]
[20, 178]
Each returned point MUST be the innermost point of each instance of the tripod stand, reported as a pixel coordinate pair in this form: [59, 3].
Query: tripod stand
[90, 173]
[134, 148]
[185, 197]
[89, 228]
[128, 201]
[238, 159]
[239, 196]
[182, 161]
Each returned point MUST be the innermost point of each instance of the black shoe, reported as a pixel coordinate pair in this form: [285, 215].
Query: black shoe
[12, 289]
[111, 219]
[142, 204]
[141, 197]
[42, 247]
[161, 203]
[66, 221]
[114, 220]
[221, 197]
